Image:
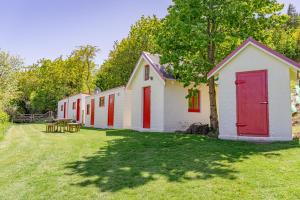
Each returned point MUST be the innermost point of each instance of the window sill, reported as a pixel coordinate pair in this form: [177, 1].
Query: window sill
[192, 110]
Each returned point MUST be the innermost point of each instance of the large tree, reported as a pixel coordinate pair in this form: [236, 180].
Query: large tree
[9, 67]
[197, 34]
[43, 84]
[286, 38]
[116, 70]
[294, 20]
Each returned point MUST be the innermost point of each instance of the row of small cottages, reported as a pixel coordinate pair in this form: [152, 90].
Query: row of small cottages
[253, 98]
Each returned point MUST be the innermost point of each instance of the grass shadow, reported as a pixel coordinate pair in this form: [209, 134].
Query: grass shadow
[134, 159]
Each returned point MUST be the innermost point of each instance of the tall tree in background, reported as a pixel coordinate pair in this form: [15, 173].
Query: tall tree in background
[197, 34]
[9, 68]
[83, 58]
[294, 20]
[285, 38]
[43, 84]
[116, 70]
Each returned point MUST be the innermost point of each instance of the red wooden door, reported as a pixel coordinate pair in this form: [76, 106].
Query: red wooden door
[111, 108]
[78, 110]
[147, 107]
[92, 112]
[65, 110]
[252, 103]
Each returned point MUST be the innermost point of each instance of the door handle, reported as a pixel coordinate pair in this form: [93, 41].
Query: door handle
[263, 102]
[240, 125]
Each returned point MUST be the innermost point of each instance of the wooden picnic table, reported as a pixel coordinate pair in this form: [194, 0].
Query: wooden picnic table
[73, 127]
[62, 124]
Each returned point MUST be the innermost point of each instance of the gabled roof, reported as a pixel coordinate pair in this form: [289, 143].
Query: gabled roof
[259, 45]
[154, 62]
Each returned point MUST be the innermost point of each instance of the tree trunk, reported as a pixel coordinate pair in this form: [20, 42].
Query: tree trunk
[211, 51]
[88, 75]
[213, 104]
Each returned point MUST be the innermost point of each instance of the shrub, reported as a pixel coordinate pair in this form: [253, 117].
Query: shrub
[4, 124]
[3, 117]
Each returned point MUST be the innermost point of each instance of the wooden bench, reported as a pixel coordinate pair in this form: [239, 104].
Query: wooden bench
[51, 127]
[73, 127]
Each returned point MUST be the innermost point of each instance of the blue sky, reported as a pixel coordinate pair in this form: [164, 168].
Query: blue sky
[36, 29]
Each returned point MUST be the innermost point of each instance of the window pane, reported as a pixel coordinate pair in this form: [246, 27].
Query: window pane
[193, 101]
[190, 102]
[196, 100]
[147, 70]
[101, 101]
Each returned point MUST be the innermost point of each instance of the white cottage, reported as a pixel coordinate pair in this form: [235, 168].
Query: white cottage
[254, 93]
[158, 101]
[108, 109]
[72, 107]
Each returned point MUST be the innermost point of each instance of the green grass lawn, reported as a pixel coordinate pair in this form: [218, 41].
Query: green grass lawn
[96, 164]
[3, 128]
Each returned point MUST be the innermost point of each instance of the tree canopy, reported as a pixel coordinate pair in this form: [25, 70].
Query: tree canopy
[198, 34]
[9, 68]
[116, 70]
[43, 84]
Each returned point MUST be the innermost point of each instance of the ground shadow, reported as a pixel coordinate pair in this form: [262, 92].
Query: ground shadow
[136, 158]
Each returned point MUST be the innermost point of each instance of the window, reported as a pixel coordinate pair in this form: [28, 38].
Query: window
[88, 109]
[194, 101]
[101, 101]
[74, 105]
[147, 72]
[61, 108]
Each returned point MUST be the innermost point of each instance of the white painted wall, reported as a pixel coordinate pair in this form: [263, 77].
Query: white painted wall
[60, 113]
[252, 58]
[71, 114]
[176, 115]
[157, 99]
[121, 109]
[87, 118]
[101, 113]
[127, 109]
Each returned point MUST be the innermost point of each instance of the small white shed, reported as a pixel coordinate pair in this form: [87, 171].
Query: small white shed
[108, 109]
[72, 107]
[254, 93]
[158, 101]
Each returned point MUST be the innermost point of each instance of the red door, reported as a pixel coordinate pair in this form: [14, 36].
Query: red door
[111, 108]
[147, 107]
[92, 112]
[78, 110]
[252, 103]
[65, 110]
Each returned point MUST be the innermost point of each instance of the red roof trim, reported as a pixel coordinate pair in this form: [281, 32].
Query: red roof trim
[262, 46]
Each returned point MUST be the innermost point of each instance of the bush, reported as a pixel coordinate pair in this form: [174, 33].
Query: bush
[3, 117]
[4, 124]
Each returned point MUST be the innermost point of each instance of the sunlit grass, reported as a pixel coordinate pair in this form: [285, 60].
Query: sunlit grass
[3, 129]
[99, 164]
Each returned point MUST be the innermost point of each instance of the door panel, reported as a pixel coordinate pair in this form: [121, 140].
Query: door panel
[78, 110]
[111, 108]
[252, 103]
[147, 108]
[92, 112]
[65, 110]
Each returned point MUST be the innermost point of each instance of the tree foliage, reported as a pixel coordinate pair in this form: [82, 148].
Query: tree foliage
[197, 34]
[294, 20]
[9, 67]
[48, 81]
[116, 70]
